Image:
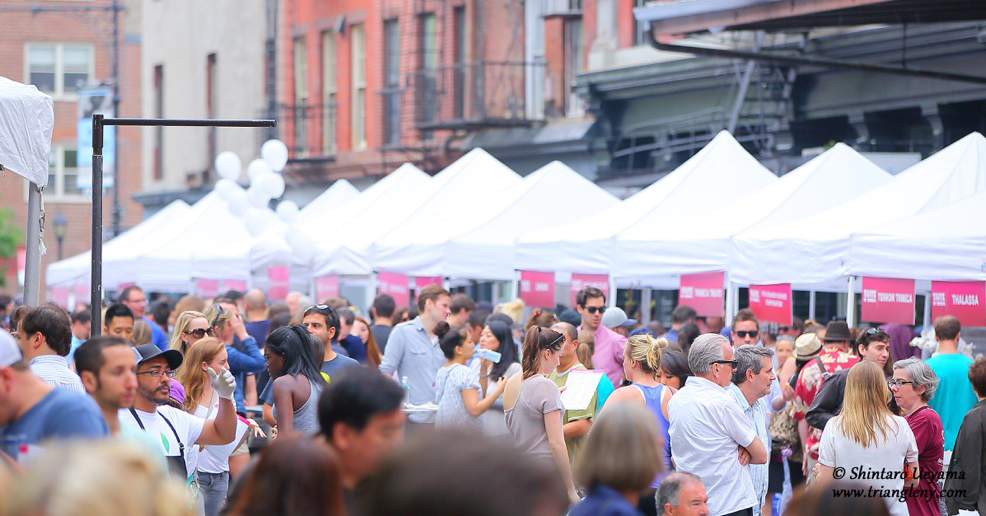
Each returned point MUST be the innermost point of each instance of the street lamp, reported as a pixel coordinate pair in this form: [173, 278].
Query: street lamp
[61, 224]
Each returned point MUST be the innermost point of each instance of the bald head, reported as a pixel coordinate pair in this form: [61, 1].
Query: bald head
[566, 329]
[255, 299]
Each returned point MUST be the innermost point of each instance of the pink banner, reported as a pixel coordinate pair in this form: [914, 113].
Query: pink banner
[537, 288]
[278, 282]
[21, 259]
[121, 286]
[888, 300]
[326, 286]
[704, 292]
[580, 281]
[59, 296]
[235, 284]
[82, 293]
[206, 288]
[963, 299]
[772, 302]
[396, 285]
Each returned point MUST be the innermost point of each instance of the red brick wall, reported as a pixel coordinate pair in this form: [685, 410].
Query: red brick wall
[20, 28]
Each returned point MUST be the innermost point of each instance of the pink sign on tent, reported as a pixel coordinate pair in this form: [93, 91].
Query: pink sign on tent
[81, 291]
[59, 296]
[124, 285]
[207, 288]
[966, 300]
[326, 286]
[704, 292]
[396, 285]
[421, 282]
[235, 284]
[580, 281]
[888, 300]
[772, 302]
[278, 282]
[537, 288]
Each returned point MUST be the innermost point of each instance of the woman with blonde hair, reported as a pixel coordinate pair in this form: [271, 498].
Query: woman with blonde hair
[620, 459]
[867, 440]
[533, 408]
[142, 333]
[211, 463]
[642, 366]
[190, 327]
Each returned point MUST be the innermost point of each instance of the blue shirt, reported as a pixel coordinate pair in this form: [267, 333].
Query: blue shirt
[76, 342]
[412, 353]
[258, 330]
[604, 501]
[355, 348]
[244, 360]
[954, 396]
[671, 335]
[158, 337]
[61, 414]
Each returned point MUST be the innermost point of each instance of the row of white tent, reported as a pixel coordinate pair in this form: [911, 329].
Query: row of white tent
[835, 216]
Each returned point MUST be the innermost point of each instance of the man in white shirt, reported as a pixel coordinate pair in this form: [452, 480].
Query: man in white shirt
[710, 436]
[752, 379]
[44, 336]
[177, 431]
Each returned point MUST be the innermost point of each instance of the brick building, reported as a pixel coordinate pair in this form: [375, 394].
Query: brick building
[58, 45]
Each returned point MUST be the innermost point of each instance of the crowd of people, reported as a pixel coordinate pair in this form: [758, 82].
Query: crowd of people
[238, 406]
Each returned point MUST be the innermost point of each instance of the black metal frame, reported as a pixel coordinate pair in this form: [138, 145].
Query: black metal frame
[98, 123]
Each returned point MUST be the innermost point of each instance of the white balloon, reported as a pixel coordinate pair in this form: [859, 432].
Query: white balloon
[224, 188]
[256, 222]
[228, 165]
[272, 184]
[301, 244]
[275, 153]
[288, 211]
[258, 197]
[238, 202]
[257, 168]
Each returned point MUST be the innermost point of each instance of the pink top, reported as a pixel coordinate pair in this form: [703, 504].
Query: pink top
[608, 354]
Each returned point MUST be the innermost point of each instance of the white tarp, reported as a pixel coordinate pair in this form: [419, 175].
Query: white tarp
[718, 174]
[480, 244]
[118, 265]
[27, 117]
[948, 243]
[314, 221]
[456, 197]
[703, 243]
[816, 249]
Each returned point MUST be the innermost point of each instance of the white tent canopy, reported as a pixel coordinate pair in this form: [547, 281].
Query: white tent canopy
[26, 120]
[118, 264]
[948, 243]
[480, 244]
[704, 243]
[816, 249]
[273, 247]
[720, 173]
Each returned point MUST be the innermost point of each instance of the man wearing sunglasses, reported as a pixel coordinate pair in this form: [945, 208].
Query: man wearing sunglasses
[745, 330]
[608, 355]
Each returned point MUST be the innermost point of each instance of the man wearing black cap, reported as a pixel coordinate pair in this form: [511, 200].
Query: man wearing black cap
[175, 430]
[835, 357]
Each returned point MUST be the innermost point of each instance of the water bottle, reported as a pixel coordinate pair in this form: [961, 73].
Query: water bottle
[490, 355]
[406, 387]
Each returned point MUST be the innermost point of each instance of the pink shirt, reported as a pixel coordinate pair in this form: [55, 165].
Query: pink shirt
[608, 354]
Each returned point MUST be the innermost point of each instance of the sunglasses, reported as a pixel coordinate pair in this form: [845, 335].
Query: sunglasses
[743, 333]
[219, 313]
[732, 363]
[594, 309]
[198, 333]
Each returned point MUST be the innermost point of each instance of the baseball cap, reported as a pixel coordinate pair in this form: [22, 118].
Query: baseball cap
[10, 354]
[149, 351]
[615, 317]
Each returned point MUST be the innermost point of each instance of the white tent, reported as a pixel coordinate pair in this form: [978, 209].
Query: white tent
[116, 252]
[209, 242]
[815, 249]
[948, 243]
[26, 122]
[367, 217]
[273, 247]
[480, 243]
[704, 243]
[721, 172]
[456, 195]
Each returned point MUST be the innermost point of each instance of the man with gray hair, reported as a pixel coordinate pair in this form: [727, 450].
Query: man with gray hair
[710, 435]
[682, 494]
[752, 379]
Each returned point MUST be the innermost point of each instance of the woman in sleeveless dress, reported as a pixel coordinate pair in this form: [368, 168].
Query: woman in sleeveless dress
[297, 380]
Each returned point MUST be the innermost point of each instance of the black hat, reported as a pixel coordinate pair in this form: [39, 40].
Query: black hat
[149, 351]
[837, 331]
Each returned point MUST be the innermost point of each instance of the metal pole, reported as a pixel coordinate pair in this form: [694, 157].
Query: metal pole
[851, 301]
[96, 275]
[117, 209]
[612, 291]
[811, 304]
[744, 85]
[32, 264]
[730, 300]
[645, 297]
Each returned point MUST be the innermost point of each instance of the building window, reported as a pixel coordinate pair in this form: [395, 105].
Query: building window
[63, 174]
[211, 101]
[428, 71]
[461, 49]
[59, 69]
[391, 86]
[329, 92]
[358, 64]
[639, 28]
[574, 57]
[159, 113]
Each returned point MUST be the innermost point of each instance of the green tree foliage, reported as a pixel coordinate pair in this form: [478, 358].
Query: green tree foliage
[10, 238]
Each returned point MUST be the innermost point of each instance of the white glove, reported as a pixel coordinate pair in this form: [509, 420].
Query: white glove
[223, 383]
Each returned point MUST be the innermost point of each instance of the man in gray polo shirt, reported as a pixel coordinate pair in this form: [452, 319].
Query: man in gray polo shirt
[413, 352]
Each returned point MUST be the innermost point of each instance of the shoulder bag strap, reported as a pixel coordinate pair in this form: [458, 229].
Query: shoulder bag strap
[139, 422]
[181, 446]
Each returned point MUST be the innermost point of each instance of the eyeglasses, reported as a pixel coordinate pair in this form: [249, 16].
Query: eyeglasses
[732, 363]
[198, 333]
[784, 328]
[219, 313]
[896, 383]
[594, 309]
[743, 333]
[157, 373]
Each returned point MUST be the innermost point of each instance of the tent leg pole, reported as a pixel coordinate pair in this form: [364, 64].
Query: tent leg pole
[371, 288]
[851, 302]
[612, 291]
[811, 304]
[32, 264]
[927, 310]
[730, 301]
[645, 295]
[515, 286]
[96, 276]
